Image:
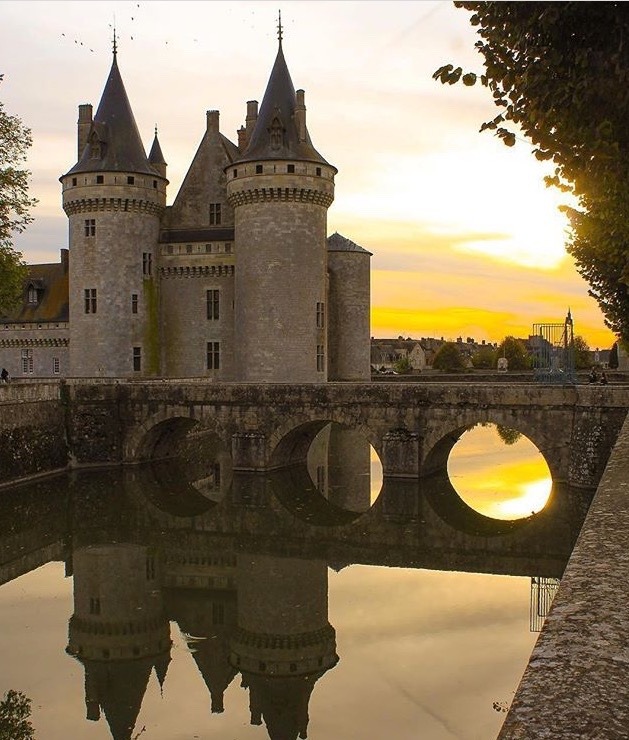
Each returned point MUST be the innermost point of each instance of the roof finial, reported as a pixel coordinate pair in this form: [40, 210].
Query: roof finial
[115, 45]
[279, 26]
[155, 129]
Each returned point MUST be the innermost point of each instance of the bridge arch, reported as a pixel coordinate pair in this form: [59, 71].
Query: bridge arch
[289, 442]
[439, 441]
[158, 435]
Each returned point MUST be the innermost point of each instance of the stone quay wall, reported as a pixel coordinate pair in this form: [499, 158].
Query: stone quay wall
[32, 430]
[575, 685]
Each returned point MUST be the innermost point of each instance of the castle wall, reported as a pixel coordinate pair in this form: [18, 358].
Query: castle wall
[348, 316]
[189, 326]
[35, 351]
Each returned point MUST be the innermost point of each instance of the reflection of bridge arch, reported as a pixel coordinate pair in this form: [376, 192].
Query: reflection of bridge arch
[159, 434]
[292, 437]
[437, 446]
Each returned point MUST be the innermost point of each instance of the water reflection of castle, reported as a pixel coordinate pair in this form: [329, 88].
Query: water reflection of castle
[239, 563]
[261, 616]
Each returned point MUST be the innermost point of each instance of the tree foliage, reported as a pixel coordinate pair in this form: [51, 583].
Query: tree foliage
[613, 357]
[515, 352]
[582, 358]
[15, 205]
[559, 72]
[508, 435]
[15, 710]
[449, 358]
[485, 358]
[402, 365]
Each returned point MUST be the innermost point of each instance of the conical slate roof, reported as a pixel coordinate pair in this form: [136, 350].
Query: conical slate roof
[115, 130]
[278, 110]
[339, 243]
[155, 155]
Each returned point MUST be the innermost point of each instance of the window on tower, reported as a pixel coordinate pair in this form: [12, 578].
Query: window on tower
[147, 263]
[290, 168]
[134, 302]
[213, 304]
[90, 227]
[215, 214]
[89, 296]
[100, 179]
[320, 358]
[320, 315]
[213, 355]
[137, 359]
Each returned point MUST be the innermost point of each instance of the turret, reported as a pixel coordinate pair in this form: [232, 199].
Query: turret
[280, 188]
[114, 197]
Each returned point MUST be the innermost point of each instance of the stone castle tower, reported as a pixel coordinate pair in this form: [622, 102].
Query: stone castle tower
[237, 280]
[114, 197]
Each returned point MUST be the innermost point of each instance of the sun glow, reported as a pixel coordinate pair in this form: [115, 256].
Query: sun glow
[499, 481]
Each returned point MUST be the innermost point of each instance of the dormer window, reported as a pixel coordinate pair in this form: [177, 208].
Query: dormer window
[276, 134]
[96, 146]
[32, 295]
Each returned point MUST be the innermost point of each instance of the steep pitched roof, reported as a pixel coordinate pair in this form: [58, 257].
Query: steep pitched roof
[50, 282]
[155, 155]
[339, 243]
[277, 112]
[115, 132]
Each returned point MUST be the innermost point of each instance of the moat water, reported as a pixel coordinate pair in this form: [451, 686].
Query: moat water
[181, 600]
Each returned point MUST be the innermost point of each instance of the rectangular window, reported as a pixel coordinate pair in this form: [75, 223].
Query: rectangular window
[208, 248]
[150, 568]
[218, 613]
[213, 304]
[27, 361]
[189, 248]
[258, 169]
[130, 180]
[56, 366]
[134, 302]
[318, 171]
[147, 263]
[215, 214]
[290, 168]
[100, 179]
[228, 248]
[90, 227]
[137, 359]
[320, 358]
[213, 355]
[90, 300]
[320, 315]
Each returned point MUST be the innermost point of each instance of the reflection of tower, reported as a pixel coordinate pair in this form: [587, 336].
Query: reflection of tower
[543, 592]
[118, 630]
[339, 465]
[201, 598]
[284, 642]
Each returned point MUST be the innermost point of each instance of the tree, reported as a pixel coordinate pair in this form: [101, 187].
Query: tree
[515, 352]
[448, 358]
[582, 358]
[15, 710]
[613, 357]
[485, 358]
[508, 435]
[559, 73]
[402, 365]
[15, 205]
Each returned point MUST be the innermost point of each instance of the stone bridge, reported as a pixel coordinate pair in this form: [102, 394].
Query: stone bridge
[412, 426]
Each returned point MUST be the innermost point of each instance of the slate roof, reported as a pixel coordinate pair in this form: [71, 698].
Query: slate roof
[51, 283]
[279, 102]
[339, 243]
[115, 126]
[155, 155]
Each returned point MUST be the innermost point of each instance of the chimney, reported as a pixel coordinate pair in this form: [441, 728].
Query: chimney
[212, 120]
[84, 124]
[252, 116]
[242, 138]
[300, 115]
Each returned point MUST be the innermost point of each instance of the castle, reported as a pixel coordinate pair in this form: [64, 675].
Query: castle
[235, 281]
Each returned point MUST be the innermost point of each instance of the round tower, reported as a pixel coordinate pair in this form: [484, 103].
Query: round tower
[280, 188]
[348, 317]
[113, 197]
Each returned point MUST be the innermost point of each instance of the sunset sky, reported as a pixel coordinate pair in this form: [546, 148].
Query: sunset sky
[466, 239]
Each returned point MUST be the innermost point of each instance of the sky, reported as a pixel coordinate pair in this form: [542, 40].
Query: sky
[466, 239]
